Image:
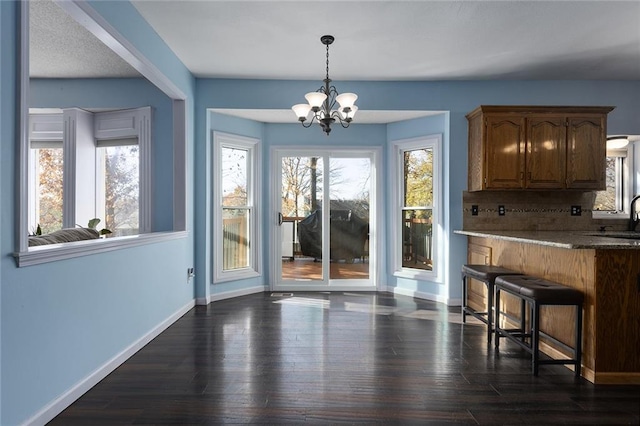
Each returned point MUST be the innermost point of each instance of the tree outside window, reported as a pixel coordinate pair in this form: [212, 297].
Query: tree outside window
[121, 188]
[48, 203]
[417, 209]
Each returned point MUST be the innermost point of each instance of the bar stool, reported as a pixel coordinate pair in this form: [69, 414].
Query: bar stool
[539, 292]
[486, 274]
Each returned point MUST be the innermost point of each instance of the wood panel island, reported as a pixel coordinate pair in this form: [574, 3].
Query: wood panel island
[605, 266]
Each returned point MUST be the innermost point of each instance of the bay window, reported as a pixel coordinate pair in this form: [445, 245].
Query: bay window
[85, 165]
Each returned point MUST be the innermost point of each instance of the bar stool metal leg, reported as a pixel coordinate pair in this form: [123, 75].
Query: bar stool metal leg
[578, 350]
[535, 336]
[490, 312]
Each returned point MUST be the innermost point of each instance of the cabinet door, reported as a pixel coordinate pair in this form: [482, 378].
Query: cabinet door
[504, 161]
[546, 152]
[587, 152]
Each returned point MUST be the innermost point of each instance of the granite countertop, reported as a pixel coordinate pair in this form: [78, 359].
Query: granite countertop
[565, 239]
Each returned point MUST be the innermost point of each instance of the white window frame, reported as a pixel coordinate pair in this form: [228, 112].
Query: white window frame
[624, 177]
[45, 131]
[398, 149]
[252, 146]
[120, 128]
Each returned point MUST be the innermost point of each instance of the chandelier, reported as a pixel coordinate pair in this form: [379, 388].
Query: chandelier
[322, 102]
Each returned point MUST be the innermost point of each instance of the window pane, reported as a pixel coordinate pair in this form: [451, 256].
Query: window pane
[417, 241]
[235, 238]
[49, 192]
[418, 177]
[121, 180]
[302, 182]
[234, 176]
[606, 200]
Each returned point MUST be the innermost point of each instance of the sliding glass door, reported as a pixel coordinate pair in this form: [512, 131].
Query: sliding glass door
[324, 220]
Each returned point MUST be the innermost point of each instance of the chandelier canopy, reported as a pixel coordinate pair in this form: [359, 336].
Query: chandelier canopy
[322, 102]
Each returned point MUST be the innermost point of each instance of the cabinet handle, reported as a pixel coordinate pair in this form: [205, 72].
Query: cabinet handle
[529, 175]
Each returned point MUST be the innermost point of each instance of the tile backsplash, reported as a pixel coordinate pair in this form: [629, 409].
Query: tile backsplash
[532, 211]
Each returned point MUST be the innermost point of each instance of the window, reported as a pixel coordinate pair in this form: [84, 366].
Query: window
[45, 198]
[118, 186]
[235, 214]
[45, 204]
[84, 165]
[416, 214]
[615, 199]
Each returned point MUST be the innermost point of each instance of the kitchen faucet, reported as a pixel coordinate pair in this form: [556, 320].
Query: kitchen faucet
[633, 216]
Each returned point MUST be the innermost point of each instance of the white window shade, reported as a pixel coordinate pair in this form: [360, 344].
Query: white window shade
[617, 152]
[45, 144]
[103, 143]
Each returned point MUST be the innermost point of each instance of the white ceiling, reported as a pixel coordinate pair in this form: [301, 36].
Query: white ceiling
[402, 40]
[375, 40]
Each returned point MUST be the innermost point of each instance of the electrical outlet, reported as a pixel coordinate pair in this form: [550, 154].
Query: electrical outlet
[501, 211]
[474, 210]
[576, 210]
[190, 273]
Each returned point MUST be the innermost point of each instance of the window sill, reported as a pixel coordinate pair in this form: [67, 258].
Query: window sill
[240, 274]
[416, 274]
[55, 252]
[596, 214]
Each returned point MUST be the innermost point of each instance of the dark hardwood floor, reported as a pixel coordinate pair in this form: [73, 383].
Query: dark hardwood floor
[340, 358]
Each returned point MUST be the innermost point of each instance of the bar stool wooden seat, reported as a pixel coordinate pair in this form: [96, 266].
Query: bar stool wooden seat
[537, 292]
[486, 274]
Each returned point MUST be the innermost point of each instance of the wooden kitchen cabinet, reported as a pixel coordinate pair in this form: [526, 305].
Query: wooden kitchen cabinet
[522, 147]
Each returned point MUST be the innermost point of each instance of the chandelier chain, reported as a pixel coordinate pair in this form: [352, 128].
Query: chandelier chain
[327, 62]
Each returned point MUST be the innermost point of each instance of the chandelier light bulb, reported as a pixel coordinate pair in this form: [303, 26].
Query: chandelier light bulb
[347, 100]
[301, 111]
[315, 99]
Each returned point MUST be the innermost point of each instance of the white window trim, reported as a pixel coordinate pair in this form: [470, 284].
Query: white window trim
[254, 201]
[45, 128]
[627, 191]
[110, 131]
[397, 149]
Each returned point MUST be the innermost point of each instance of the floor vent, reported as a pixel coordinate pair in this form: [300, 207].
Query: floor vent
[281, 294]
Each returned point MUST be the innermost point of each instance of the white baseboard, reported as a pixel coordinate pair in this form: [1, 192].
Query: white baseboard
[237, 293]
[203, 301]
[425, 296]
[56, 406]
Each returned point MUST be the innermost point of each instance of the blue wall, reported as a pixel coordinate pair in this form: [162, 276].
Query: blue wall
[7, 133]
[62, 321]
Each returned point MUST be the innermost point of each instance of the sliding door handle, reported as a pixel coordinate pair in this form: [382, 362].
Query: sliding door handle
[279, 219]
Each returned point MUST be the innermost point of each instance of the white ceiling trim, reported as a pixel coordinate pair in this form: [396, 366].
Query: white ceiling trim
[286, 116]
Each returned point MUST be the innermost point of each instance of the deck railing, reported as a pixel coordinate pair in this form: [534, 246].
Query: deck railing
[235, 245]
